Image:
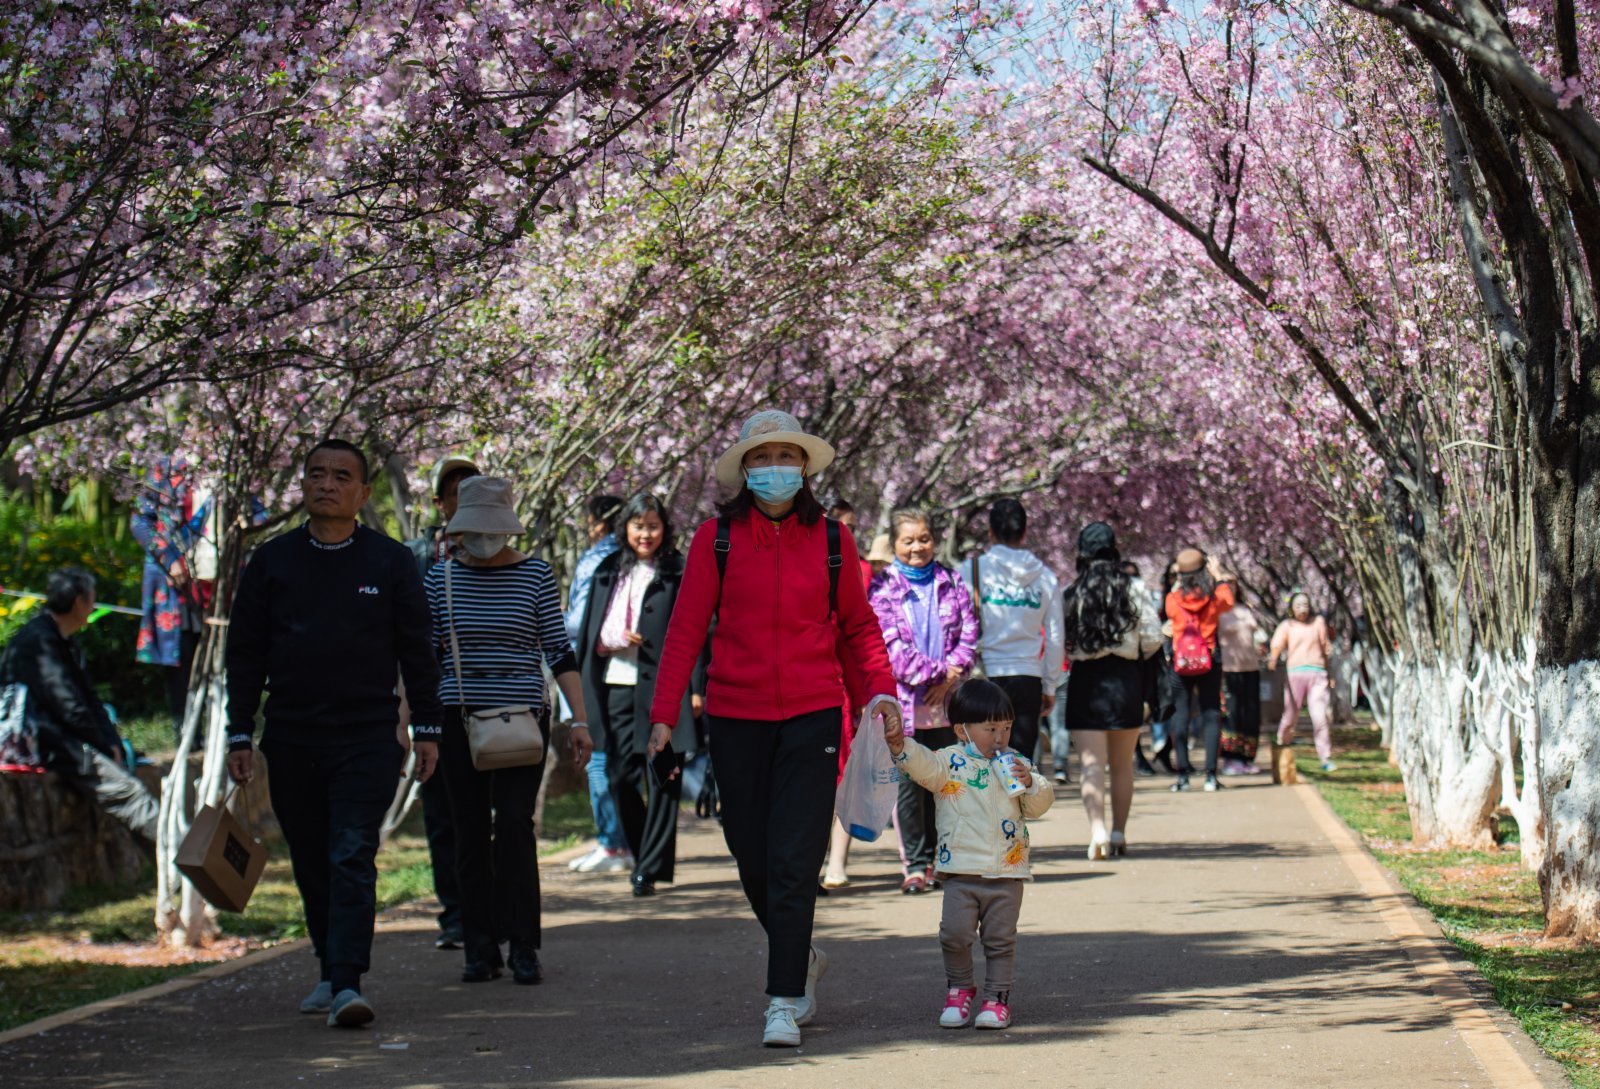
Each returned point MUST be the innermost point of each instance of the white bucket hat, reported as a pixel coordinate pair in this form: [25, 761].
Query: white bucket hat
[771, 425]
[483, 505]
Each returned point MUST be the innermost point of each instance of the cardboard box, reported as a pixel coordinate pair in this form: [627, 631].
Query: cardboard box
[223, 861]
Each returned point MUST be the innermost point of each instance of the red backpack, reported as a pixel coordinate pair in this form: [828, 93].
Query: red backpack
[1191, 652]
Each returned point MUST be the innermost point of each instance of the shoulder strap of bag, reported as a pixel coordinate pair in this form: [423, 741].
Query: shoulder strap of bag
[724, 545]
[835, 565]
[977, 592]
[455, 647]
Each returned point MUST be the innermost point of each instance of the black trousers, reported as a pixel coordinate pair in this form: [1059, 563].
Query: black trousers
[441, 832]
[1202, 697]
[777, 781]
[649, 812]
[1242, 735]
[1027, 700]
[330, 801]
[497, 860]
[918, 834]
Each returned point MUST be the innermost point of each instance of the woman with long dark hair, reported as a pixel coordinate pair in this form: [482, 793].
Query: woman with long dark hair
[1201, 594]
[619, 654]
[1111, 631]
[792, 617]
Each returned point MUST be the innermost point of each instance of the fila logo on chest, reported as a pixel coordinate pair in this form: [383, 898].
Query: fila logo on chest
[373, 590]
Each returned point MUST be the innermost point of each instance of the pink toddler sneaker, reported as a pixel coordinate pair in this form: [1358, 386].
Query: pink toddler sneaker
[994, 1015]
[957, 1007]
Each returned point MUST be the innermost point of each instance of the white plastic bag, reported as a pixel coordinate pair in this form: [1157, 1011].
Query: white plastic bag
[871, 783]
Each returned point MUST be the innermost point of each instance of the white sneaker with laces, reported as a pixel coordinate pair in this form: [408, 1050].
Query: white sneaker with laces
[781, 1030]
[816, 968]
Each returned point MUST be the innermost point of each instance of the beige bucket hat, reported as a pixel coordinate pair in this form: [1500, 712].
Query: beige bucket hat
[771, 425]
[448, 466]
[483, 505]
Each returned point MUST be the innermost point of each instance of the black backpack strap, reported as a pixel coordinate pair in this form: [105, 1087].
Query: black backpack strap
[835, 565]
[723, 546]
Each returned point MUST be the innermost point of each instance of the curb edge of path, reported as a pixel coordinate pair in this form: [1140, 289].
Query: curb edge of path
[1435, 960]
[219, 970]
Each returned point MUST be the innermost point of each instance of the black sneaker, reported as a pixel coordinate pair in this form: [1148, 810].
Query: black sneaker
[1213, 784]
[525, 967]
[1182, 784]
[481, 971]
[450, 937]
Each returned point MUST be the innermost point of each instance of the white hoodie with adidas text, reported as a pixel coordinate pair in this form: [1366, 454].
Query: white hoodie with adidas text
[1021, 614]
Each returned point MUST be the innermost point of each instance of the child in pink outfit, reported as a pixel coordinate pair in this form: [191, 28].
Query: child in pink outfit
[1302, 641]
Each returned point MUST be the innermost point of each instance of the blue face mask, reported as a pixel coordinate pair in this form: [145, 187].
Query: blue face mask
[774, 483]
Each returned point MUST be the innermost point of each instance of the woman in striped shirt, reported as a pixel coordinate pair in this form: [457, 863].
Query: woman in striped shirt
[505, 611]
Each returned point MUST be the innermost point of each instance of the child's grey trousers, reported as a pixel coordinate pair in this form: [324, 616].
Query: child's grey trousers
[986, 908]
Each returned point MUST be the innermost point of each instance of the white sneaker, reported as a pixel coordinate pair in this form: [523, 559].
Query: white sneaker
[781, 1031]
[582, 862]
[611, 862]
[806, 1008]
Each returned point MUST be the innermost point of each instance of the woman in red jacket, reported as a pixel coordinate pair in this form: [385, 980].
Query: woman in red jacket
[788, 628]
[1202, 594]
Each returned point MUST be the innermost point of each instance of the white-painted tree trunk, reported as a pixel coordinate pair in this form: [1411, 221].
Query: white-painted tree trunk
[182, 915]
[1379, 688]
[1569, 752]
[1503, 689]
[1451, 771]
[406, 796]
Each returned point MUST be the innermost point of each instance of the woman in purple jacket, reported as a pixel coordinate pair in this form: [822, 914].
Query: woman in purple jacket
[931, 631]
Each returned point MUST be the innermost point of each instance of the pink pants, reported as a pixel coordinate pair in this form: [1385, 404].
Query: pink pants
[1308, 689]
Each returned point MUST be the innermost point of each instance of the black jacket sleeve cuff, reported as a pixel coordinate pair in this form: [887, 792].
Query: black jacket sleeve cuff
[240, 742]
[426, 733]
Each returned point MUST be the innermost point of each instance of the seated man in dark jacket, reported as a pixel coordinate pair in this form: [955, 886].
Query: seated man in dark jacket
[75, 736]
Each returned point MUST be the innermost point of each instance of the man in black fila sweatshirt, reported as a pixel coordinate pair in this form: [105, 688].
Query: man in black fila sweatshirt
[326, 618]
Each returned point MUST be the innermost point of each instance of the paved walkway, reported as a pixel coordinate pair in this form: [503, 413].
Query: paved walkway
[1236, 945]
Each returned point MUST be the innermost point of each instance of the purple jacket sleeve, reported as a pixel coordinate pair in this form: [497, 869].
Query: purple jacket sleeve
[966, 651]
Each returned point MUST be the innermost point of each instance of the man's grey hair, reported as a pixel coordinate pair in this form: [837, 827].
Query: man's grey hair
[64, 587]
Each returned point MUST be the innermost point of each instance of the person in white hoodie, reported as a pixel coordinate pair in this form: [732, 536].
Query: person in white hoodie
[1019, 622]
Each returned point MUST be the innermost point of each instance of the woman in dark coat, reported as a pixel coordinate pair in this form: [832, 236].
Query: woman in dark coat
[619, 651]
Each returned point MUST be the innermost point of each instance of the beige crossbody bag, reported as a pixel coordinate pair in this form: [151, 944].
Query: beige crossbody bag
[499, 737]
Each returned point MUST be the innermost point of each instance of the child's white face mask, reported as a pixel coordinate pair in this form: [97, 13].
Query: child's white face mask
[993, 734]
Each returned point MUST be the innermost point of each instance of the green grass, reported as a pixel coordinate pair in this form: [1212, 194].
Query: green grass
[35, 984]
[149, 734]
[1485, 903]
